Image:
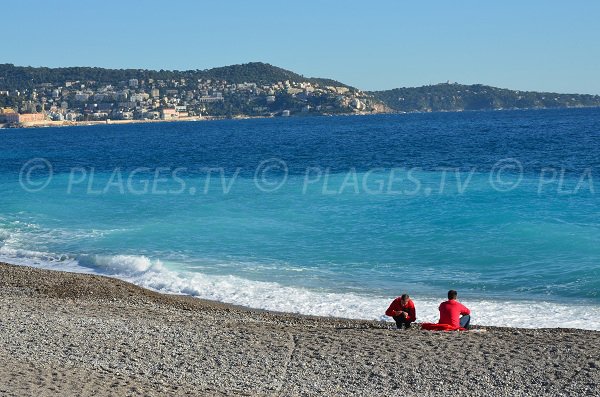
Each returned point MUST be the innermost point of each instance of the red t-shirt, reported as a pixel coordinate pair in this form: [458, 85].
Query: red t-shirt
[450, 312]
[397, 305]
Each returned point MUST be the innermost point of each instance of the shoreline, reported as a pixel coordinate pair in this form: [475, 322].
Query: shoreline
[79, 334]
[523, 314]
[65, 123]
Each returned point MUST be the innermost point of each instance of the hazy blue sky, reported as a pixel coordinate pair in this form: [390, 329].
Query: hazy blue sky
[535, 45]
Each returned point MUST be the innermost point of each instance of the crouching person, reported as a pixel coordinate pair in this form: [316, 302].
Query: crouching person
[402, 310]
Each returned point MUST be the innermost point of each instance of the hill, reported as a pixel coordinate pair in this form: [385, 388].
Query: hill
[458, 97]
[21, 77]
[93, 94]
[262, 73]
[252, 89]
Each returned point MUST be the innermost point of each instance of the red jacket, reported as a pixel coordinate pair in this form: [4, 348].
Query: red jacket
[396, 305]
[450, 312]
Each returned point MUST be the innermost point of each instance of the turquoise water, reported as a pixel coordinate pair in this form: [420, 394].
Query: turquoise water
[327, 216]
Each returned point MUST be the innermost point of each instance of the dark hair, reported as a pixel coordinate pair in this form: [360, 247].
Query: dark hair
[404, 296]
[452, 294]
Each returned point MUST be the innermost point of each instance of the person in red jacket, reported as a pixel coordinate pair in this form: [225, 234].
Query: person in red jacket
[402, 309]
[454, 313]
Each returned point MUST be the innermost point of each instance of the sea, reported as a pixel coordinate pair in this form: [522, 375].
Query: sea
[327, 216]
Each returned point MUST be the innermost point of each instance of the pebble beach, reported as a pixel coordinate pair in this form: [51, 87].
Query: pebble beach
[73, 334]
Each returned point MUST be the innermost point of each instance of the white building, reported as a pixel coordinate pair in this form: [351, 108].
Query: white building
[139, 97]
[81, 96]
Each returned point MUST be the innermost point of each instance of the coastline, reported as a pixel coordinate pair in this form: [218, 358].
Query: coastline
[65, 123]
[79, 334]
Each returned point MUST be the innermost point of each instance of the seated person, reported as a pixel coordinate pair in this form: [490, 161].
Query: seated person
[402, 309]
[452, 310]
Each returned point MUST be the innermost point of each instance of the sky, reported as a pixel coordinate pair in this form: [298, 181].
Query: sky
[540, 45]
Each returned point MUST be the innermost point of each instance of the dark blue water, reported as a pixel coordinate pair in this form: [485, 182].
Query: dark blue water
[542, 138]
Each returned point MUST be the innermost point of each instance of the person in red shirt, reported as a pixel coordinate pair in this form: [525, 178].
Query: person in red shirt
[402, 309]
[454, 313]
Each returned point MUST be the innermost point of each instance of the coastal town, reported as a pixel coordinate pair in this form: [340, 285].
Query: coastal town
[40, 96]
[147, 99]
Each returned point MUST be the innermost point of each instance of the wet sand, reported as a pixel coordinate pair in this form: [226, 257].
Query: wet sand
[65, 334]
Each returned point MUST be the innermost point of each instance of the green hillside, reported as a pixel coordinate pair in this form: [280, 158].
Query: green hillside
[458, 97]
[21, 77]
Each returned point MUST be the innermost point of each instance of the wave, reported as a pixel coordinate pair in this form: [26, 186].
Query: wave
[158, 276]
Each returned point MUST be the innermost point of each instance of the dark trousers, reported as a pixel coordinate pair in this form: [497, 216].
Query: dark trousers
[402, 321]
[465, 320]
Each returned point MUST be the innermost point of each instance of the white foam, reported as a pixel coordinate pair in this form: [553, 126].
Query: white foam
[121, 265]
[155, 275]
[273, 296]
[44, 260]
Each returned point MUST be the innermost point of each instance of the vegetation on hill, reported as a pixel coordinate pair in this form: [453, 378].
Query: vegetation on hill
[261, 73]
[458, 97]
[27, 77]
